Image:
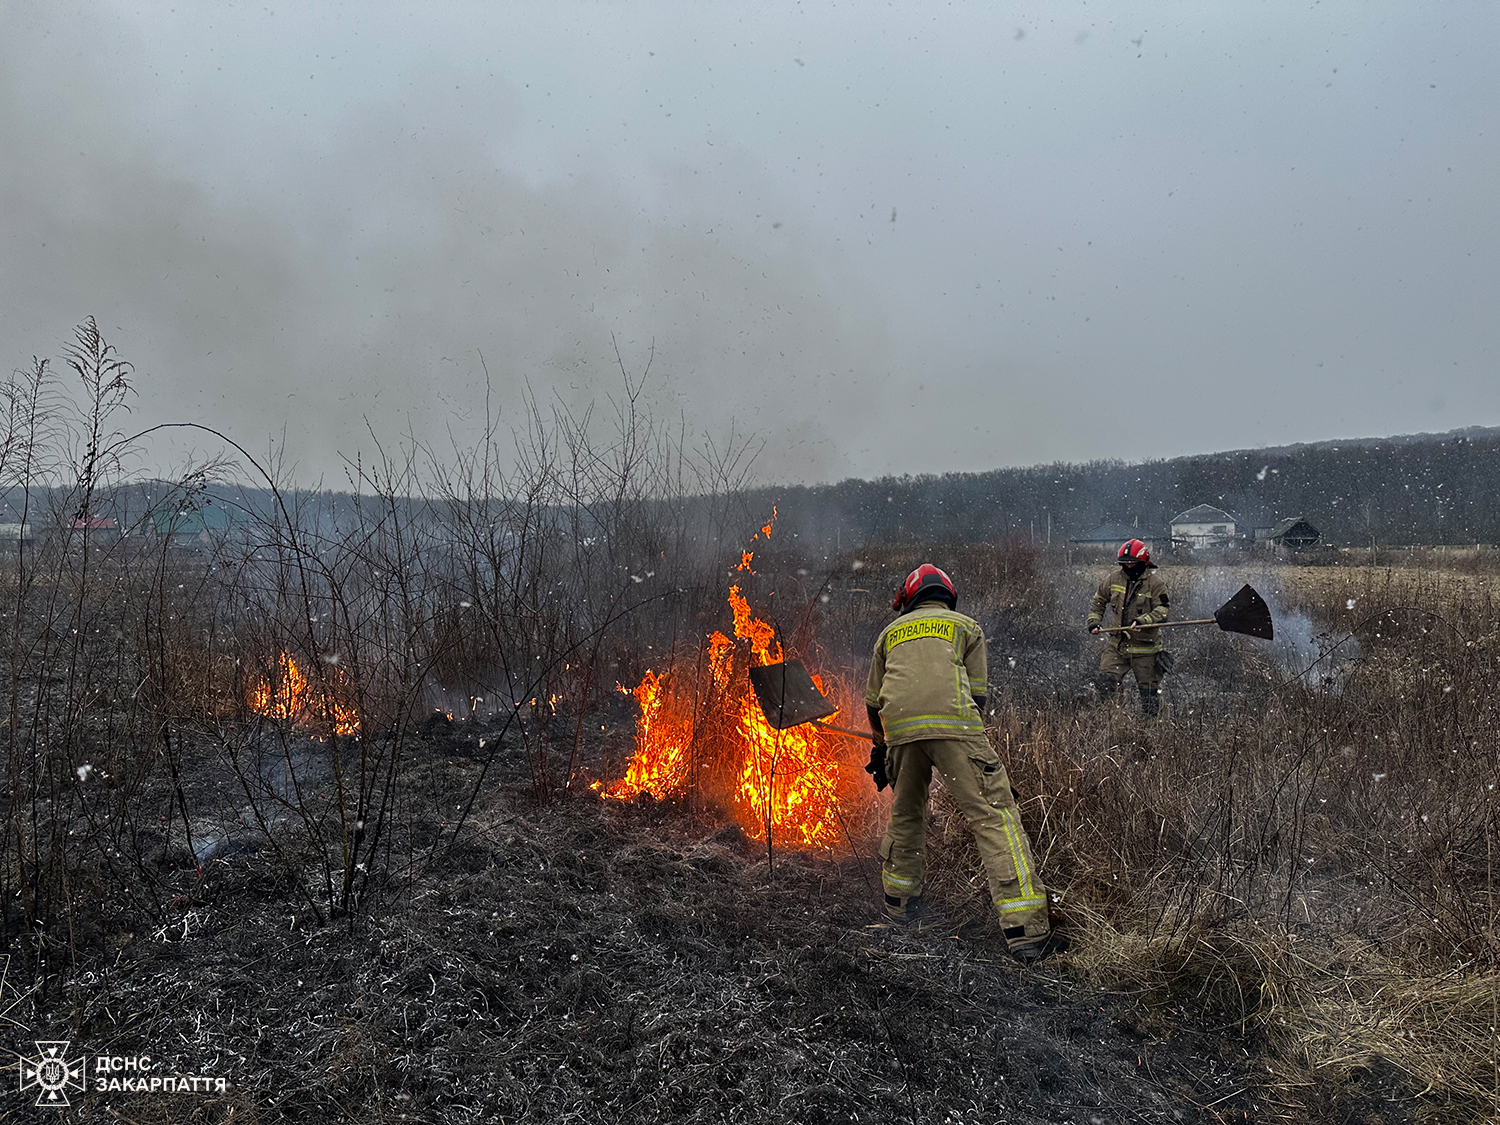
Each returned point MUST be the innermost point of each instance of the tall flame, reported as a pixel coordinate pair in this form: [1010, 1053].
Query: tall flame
[789, 779]
[666, 738]
[705, 713]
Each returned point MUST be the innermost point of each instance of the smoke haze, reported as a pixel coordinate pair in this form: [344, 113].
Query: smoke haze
[895, 243]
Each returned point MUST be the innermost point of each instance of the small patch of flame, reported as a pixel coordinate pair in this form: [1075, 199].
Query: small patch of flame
[288, 694]
[764, 533]
[659, 765]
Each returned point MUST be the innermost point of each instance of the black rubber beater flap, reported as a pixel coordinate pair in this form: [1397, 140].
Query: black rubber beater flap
[1246, 613]
[788, 696]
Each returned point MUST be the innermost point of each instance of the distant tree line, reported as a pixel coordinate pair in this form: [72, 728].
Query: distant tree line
[1427, 489]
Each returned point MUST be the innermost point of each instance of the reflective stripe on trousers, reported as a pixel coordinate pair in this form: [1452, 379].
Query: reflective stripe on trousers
[980, 787]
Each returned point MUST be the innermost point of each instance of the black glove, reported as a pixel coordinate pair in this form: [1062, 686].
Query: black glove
[876, 768]
[1093, 628]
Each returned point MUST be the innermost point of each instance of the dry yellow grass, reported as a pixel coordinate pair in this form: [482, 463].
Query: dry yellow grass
[1328, 1011]
[1309, 863]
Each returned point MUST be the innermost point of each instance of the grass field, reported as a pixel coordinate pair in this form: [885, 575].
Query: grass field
[324, 744]
[1305, 843]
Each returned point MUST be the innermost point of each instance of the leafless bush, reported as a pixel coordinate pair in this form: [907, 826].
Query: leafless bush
[83, 727]
[160, 700]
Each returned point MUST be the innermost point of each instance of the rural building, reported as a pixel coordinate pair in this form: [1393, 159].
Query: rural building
[1203, 526]
[1109, 536]
[186, 526]
[1294, 533]
[96, 527]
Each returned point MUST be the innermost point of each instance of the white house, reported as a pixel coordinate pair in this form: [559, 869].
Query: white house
[1203, 526]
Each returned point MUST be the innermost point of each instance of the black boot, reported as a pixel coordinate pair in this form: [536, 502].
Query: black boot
[905, 911]
[1150, 702]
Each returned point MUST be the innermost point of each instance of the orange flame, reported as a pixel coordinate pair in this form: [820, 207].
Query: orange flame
[789, 781]
[765, 532]
[663, 739]
[288, 694]
[785, 782]
[761, 635]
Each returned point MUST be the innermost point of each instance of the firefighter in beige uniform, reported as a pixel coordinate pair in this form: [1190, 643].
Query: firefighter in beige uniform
[1138, 598]
[925, 699]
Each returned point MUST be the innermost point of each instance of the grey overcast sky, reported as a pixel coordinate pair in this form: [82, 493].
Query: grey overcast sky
[903, 237]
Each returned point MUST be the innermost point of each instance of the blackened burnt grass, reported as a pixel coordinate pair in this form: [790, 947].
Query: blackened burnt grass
[595, 961]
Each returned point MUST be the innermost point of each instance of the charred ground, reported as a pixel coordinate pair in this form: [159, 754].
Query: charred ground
[591, 961]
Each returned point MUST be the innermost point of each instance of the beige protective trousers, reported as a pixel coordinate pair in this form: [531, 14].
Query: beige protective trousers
[1114, 662]
[973, 775]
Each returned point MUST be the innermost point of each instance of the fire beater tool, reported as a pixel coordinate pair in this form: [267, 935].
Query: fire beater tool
[789, 698]
[1245, 613]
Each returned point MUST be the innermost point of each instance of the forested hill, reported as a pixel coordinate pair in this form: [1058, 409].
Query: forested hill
[1419, 489]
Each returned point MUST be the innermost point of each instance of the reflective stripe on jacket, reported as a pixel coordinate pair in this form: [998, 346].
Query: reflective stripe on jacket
[927, 666]
[1144, 599]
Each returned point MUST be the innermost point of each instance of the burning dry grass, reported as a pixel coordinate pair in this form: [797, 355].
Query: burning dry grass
[701, 729]
[286, 692]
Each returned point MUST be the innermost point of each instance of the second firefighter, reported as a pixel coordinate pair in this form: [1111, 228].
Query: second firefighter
[1139, 602]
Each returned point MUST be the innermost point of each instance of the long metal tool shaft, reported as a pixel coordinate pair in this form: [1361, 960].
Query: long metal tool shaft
[1245, 613]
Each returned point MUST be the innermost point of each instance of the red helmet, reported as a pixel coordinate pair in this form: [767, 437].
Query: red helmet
[1135, 552]
[925, 577]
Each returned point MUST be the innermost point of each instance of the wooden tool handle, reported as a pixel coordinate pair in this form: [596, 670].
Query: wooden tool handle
[866, 735]
[1163, 625]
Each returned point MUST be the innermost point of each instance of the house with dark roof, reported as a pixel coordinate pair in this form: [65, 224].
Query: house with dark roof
[1109, 536]
[1294, 533]
[1203, 526]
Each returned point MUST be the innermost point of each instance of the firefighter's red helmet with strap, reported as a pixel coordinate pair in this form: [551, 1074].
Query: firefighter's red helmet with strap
[1135, 552]
[926, 577]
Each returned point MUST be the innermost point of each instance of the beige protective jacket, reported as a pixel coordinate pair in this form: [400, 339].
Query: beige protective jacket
[1144, 599]
[927, 666]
